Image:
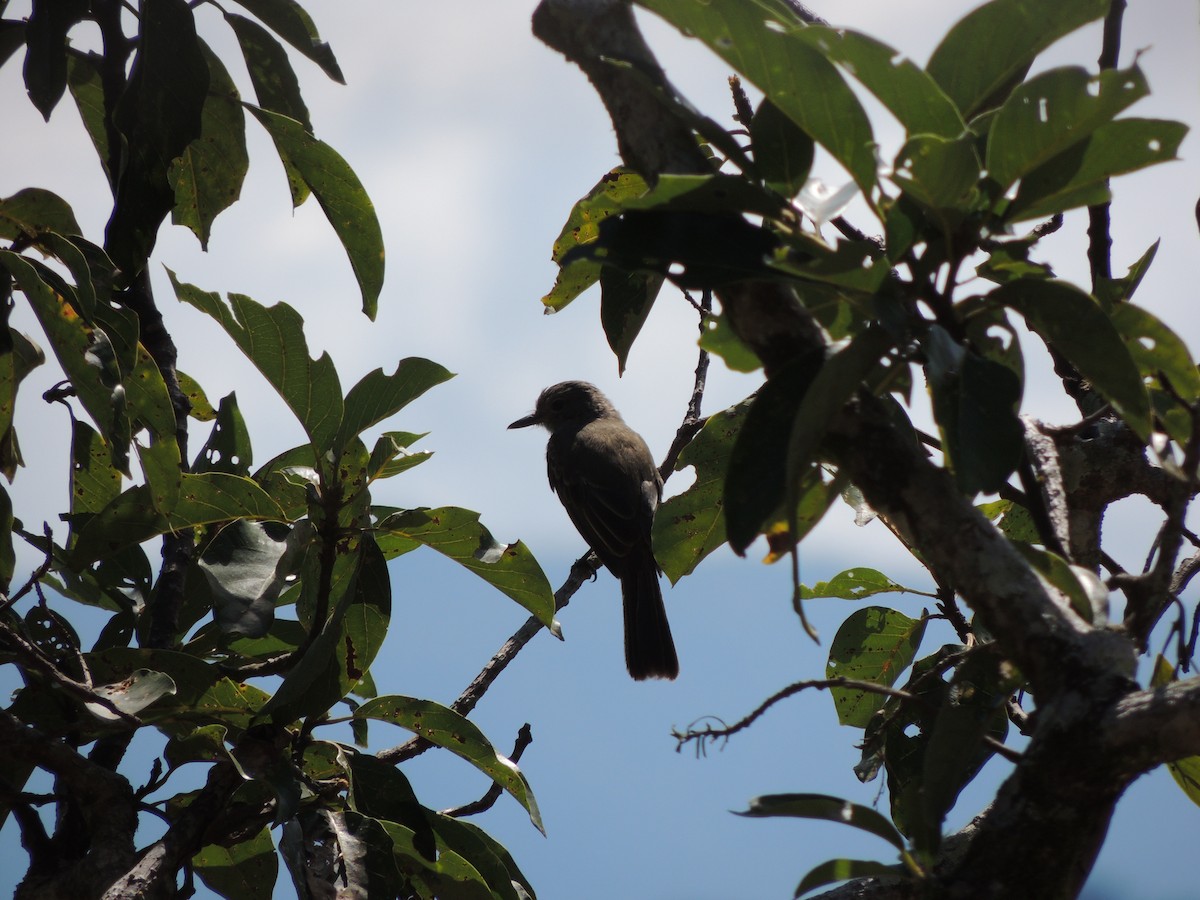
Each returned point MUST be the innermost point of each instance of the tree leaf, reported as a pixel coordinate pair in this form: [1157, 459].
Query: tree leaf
[390, 456]
[83, 78]
[228, 447]
[444, 727]
[783, 151]
[825, 808]
[272, 337]
[132, 517]
[838, 379]
[275, 84]
[938, 172]
[855, 584]
[874, 644]
[341, 195]
[1075, 325]
[288, 19]
[908, 91]
[46, 50]
[835, 870]
[344, 650]
[1052, 112]
[378, 396]
[762, 46]
[992, 46]
[133, 694]
[625, 302]
[1064, 181]
[975, 403]
[757, 476]
[33, 211]
[458, 534]
[247, 565]
[691, 525]
[583, 227]
[245, 871]
[719, 339]
[159, 114]
[207, 177]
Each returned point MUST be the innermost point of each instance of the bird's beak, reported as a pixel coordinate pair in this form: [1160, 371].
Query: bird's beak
[531, 419]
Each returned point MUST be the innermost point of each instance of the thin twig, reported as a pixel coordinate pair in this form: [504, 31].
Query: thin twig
[708, 733]
[38, 574]
[488, 800]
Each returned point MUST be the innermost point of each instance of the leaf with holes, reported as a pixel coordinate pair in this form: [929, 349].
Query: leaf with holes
[874, 644]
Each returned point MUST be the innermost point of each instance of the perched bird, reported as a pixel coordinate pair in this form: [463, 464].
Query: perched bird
[605, 477]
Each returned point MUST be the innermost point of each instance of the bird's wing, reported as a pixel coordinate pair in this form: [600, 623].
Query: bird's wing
[609, 487]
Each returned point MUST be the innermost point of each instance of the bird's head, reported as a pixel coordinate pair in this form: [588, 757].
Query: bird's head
[568, 402]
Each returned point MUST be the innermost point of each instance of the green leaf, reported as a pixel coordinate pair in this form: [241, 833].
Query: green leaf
[46, 50]
[378, 396]
[1067, 180]
[1059, 573]
[874, 644]
[133, 517]
[757, 476]
[904, 88]
[1052, 112]
[762, 45]
[445, 728]
[719, 339]
[390, 456]
[228, 447]
[1186, 771]
[1116, 290]
[458, 534]
[625, 302]
[275, 84]
[382, 791]
[691, 525]
[94, 482]
[839, 378]
[486, 855]
[343, 652]
[1156, 349]
[207, 178]
[992, 46]
[783, 152]
[72, 342]
[247, 566]
[825, 808]
[835, 870]
[975, 403]
[272, 337]
[87, 89]
[855, 584]
[956, 751]
[341, 195]
[132, 694]
[159, 114]
[288, 19]
[1074, 324]
[938, 172]
[245, 871]
[33, 211]
[583, 227]
[201, 410]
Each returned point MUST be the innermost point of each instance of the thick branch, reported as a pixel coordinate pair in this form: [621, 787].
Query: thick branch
[1155, 726]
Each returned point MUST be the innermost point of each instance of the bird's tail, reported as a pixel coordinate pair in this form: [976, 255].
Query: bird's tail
[649, 649]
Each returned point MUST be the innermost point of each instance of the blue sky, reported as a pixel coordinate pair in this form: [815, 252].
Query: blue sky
[474, 140]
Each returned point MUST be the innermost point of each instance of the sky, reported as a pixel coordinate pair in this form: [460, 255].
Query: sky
[474, 140]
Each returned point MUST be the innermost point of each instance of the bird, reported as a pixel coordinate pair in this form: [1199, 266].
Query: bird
[604, 474]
